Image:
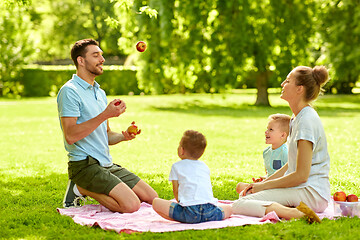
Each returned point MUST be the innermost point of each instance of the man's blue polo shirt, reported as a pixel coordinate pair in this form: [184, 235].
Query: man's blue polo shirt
[77, 98]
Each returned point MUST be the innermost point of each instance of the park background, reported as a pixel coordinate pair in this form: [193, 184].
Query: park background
[211, 65]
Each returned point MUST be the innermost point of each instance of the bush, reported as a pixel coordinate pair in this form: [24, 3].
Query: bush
[117, 80]
[47, 80]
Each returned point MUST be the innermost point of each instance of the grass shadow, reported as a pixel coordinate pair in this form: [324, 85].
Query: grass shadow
[29, 209]
[246, 111]
[29, 205]
[29, 212]
[236, 111]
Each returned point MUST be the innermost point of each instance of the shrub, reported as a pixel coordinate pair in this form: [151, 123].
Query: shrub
[47, 80]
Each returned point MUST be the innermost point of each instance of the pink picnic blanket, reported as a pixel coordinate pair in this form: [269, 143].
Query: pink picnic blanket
[146, 219]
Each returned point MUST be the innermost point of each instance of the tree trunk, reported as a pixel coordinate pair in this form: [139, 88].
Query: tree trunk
[262, 80]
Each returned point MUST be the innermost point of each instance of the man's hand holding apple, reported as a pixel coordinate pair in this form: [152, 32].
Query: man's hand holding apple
[115, 108]
[128, 136]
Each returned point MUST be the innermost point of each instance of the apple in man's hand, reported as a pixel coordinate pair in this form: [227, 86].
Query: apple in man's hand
[133, 129]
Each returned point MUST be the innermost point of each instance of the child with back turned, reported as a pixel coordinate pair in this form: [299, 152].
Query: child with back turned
[191, 186]
[276, 155]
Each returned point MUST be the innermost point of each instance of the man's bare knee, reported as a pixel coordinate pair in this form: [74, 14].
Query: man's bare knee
[150, 198]
[144, 192]
[131, 207]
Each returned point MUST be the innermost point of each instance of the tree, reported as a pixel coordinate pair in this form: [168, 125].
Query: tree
[341, 33]
[214, 45]
[281, 33]
[15, 46]
[19, 2]
[61, 23]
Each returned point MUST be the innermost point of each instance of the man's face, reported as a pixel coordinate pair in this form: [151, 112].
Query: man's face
[93, 60]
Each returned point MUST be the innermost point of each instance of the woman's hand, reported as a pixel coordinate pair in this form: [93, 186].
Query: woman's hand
[253, 188]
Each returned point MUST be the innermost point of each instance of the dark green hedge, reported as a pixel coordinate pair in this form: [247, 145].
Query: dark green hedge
[47, 80]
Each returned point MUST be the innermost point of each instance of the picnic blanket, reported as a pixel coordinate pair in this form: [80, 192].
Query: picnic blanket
[146, 219]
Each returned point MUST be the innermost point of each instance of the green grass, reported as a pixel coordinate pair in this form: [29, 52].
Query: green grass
[33, 162]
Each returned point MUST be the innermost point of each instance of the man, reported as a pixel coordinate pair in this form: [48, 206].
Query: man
[84, 118]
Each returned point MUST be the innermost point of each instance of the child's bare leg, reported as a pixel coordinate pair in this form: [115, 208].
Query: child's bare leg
[227, 210]
[241, 186]
[162, 207]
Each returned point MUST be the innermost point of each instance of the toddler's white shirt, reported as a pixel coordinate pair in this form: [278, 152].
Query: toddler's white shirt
[194, 182]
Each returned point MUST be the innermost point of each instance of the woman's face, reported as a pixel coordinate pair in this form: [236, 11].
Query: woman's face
[289, 87]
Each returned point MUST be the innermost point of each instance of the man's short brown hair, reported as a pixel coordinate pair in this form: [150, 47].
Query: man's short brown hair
[194, 143]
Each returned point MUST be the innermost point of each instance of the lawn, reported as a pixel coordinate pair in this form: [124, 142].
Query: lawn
[33, 162]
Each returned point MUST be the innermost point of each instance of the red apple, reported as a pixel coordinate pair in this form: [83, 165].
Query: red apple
[141, 46]
[133, 129]
[257, 180]
[340, 196]
[352, 198]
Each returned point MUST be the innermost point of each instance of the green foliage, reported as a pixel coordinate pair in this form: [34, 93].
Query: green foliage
[118, 80]
[19, 2]
[15, 46]
[212, 46]
[193, 46]
[33, 173]
[149, 11]
[62, 23]
[341, 34]
[47, 80]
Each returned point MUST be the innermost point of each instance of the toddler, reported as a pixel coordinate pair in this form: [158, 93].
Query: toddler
[276, 155]
[191, 186]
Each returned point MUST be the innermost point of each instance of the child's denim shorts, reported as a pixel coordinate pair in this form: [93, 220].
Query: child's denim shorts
[196, 213]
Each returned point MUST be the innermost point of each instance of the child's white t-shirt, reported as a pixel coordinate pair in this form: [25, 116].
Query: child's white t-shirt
[194, 182]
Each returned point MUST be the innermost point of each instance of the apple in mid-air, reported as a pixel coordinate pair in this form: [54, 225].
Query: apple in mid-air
[141, 46]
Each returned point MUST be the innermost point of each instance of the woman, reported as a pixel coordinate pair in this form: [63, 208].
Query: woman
[305, 178]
